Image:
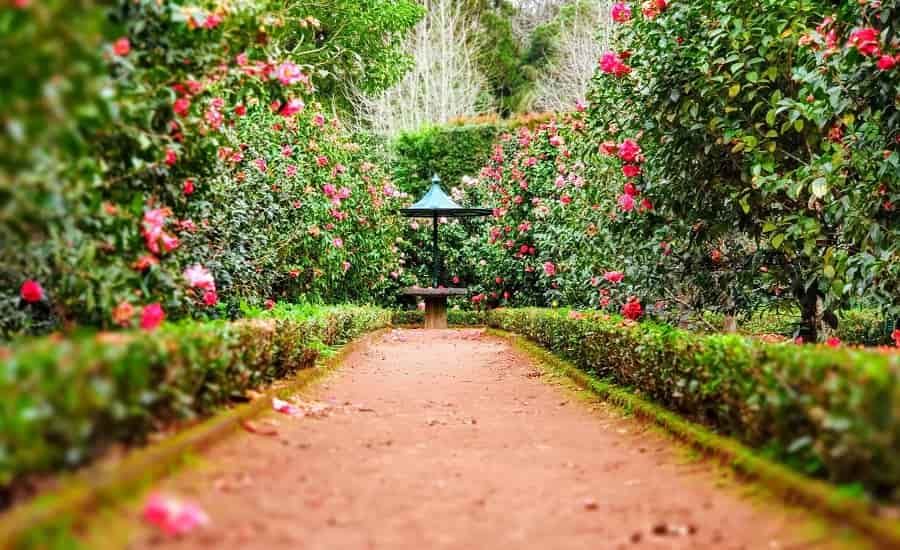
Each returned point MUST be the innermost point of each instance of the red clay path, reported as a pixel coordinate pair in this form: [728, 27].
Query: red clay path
[452, 439]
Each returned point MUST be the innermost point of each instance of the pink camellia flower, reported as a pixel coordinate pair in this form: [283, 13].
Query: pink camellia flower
[198, 276]
[169, 242]
[886, 62]
[31, 291]
[632, 309]
[549, 269]
[122, 314]
[609, 148]
[269, 304]
[241, 59]
[337, 242]
[557, 141]
[182, 106]
[626, 202]
[292, 107]
[652, 8]
[287, 151]
[456, 282]
[322, 160]
[152, 316]
[799, 340]
[289, 74]
[329, 190]
[580, 106]
[214, 118]
[343, 193]
[610, 63]
[631, 170]
[290, 170]
[285, 408]
[188, 187]
[261, 165]
[318, 120]
[865, 41]
[173, 517]
[565, 199]
[621, 12]
[345, 265]
[833, 342]
[122, 47]
[171, 157]
[629, 150]
[614, 276]
[210, 298]
[212, 21]
[21, 4]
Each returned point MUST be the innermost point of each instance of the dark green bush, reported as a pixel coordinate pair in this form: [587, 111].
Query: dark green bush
[455, 317]
[64, 401]
[833, 413]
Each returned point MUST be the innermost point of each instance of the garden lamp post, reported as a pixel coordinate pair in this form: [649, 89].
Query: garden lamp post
[434, 205]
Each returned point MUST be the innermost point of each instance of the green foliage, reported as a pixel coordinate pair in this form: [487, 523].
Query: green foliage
[65, 401]
[452, 152]
[769, 148]
[455, 317]
[97, 147]
[828, 412]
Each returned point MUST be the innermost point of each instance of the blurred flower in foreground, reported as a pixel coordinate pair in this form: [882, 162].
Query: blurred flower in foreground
[172, 516]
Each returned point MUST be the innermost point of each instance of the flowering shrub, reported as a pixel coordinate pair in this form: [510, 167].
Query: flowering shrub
[816, 408]
[65, 401]
[769, 133]
[116, 185]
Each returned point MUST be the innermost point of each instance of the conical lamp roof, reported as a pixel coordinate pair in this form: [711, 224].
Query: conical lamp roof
[437, 203]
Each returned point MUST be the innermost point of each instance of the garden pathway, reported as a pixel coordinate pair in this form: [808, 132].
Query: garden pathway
[452, 439]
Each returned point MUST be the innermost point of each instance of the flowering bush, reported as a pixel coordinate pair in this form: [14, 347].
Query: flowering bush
[769, 134]
[116, 185]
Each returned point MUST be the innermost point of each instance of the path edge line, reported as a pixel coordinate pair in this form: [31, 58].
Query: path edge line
[86, 491]
[787, 484]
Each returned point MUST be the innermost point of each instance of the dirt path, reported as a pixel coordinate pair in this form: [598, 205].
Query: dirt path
[451, 439]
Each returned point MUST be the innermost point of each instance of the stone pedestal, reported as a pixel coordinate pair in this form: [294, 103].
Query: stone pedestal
[435, 303]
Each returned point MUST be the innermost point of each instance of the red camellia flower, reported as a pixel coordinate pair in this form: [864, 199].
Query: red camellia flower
[632, 309]
[833, 342]
[865, 41]
[240, 110]
[630, 189]
[31, 291]
[646, 204]
[621, 12]
[896, 337]
[171, 157]
[886, 62]
[614, 276]
[609, 148]
[152, 316]
[629, 150]
[122, 47]
[182, 106]
[210, 298]
[631, 170]
[270, 303]
[188, 187]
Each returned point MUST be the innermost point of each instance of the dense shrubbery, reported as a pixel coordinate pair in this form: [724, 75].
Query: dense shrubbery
[128, 161]
[767, 136]
[829, 412]
[64, 401]
[455, 317]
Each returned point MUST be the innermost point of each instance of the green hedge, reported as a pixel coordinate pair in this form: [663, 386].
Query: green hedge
[66, 400]
[455, 317]
[833, 413]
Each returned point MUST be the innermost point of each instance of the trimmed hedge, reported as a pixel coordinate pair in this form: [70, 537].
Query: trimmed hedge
[455, 317]
[833, 413]
[66, 400]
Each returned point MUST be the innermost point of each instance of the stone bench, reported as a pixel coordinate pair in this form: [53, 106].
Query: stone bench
[435, 303]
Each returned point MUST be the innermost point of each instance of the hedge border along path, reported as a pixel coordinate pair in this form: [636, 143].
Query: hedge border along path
[90, 490]
[789, 485]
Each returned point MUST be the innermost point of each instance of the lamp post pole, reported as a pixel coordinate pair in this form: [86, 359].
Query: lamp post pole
[434, 236]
